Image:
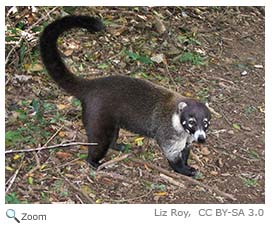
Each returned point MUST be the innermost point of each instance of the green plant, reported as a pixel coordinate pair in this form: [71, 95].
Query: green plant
[192, 57]
[249, 182]
[137, 57]
[11, 198]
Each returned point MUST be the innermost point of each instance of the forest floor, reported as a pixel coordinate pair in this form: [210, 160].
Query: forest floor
[215, 54]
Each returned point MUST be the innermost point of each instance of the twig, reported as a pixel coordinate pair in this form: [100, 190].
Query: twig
[80, 200]
[84, 194]
[172, 181]
[117, 159]
[183, 177]
[36, 154]
[51, 147]
[11, 181]
[114, 176]
[53, 136]
[133, 198]
[68, 163]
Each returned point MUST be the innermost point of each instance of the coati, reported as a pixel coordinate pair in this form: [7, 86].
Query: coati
[115, 102]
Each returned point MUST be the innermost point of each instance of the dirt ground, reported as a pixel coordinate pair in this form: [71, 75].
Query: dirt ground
[215, 54]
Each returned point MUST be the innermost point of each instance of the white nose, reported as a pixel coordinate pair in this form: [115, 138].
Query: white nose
[200, 136]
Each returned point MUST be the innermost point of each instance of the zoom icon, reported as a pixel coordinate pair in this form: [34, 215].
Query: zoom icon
[10, 213]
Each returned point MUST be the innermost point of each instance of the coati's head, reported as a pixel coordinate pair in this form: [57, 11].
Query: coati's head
[193, 117]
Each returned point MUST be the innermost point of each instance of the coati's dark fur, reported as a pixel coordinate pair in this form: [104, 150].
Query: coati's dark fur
[115, 102]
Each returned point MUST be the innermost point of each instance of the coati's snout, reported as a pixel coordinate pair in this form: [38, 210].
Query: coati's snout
[195, 119]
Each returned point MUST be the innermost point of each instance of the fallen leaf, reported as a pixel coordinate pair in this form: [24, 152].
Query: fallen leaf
[98, 201]
[61, 106]
[30, 180]
[86, 189]
[16, 156]
[214, 173]
[188, 94]
[70, 175]
[68, 52]
[9, 168]
[139, 141]
[258, 66]
[205, 151]
[160, 193]
[261, 109]
[63, 155]
[236, 126]
[62, 134]
[159, 26]
[158, 58]
[35, 67]
[147, 168]
[42, 167]
[246, 128]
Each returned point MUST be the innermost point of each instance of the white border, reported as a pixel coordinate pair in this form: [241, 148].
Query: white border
[132, 215]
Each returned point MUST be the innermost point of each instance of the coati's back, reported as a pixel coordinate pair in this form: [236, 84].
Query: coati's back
[133, 102]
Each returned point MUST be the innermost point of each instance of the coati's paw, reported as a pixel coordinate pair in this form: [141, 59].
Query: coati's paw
[93, 164]
[183, 169]
[119, 147]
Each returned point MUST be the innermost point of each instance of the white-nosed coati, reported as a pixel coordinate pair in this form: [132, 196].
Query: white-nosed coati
[115, 102]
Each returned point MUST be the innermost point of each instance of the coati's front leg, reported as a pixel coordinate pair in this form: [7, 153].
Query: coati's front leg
[177, 151]
[180, 163]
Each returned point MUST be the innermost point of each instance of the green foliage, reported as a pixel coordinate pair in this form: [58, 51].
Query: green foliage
[82, 156]
[137, 57]
[249, 182]
[103, 66]
[11, 198]
[192, 57]
[250, 109]
[12, 137]
[154, 186]
[198, 175]
[58, 187]
[31, 121]
[253, 154]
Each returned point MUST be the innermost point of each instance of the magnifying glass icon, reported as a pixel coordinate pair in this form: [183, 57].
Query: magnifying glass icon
[11, 214]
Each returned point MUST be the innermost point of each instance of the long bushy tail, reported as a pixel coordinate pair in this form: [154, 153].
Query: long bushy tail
[50, 54]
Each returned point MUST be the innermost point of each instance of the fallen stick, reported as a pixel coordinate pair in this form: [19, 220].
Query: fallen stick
[184, 178]
[172, 181]
[84, 194]
[12, 179]
[113, 175]
[51, 147]
[112, 161]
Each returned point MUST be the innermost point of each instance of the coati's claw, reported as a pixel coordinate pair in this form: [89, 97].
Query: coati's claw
[183, 169]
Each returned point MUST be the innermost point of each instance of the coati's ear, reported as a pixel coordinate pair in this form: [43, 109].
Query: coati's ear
[181, 106]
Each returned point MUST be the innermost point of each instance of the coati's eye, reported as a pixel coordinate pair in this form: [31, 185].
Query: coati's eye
[191, 122]
[206, 123]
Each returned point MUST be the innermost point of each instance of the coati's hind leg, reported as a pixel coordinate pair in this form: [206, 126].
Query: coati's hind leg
[117, 146]
[100, 129]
